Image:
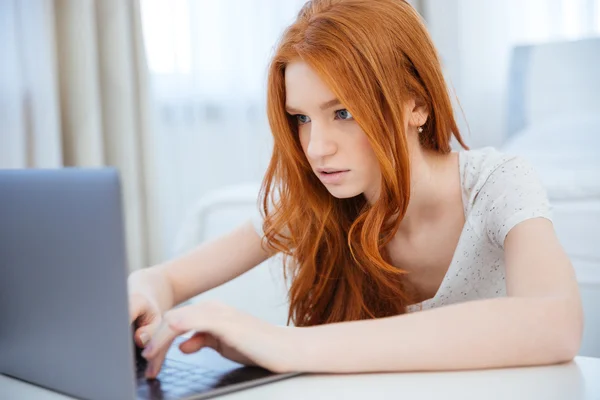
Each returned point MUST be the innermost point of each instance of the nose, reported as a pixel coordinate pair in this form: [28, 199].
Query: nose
[320, 143]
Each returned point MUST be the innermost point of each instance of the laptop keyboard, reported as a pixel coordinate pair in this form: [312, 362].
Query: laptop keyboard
[177, 380]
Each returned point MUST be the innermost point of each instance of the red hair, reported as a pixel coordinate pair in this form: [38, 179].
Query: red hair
[374, 55]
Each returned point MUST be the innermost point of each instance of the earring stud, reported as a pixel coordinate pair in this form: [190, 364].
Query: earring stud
[420, 129]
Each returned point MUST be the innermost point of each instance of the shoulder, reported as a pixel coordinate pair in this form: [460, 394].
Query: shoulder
[477, 166]
[493, 171]
[502, 189]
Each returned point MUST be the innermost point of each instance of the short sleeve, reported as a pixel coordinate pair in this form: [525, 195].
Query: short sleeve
[514, 194]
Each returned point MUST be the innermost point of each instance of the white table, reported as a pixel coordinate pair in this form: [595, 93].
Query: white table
[576, 380]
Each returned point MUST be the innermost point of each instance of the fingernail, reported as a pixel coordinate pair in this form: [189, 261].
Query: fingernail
[144, 337]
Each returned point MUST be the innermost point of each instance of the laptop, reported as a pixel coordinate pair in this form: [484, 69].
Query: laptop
[64, 320]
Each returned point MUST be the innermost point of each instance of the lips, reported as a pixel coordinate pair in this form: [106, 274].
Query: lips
[330, 170]
[332, 176]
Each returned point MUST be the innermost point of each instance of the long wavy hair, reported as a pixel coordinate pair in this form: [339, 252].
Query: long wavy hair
[374, 55]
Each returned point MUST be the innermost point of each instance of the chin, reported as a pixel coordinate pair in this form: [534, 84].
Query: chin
[342, 191]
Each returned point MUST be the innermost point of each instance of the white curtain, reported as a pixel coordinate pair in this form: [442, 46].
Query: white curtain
[73, 93]
[208, 61]
[475, 39]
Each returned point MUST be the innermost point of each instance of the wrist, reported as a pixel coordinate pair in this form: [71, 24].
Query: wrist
[152, 284]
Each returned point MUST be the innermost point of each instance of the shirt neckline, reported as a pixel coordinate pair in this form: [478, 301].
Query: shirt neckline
[461, 168]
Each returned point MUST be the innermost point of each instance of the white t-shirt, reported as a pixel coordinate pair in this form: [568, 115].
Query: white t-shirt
[498, 192]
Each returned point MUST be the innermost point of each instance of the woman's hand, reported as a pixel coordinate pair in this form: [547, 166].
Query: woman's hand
[235, 335]
[149, 297]
[145, 315]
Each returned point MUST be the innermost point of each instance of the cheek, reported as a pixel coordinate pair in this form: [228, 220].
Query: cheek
[364, 144]
[304, 137]
[366, 151]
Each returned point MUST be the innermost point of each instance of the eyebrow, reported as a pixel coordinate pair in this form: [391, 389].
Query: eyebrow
[323, 107]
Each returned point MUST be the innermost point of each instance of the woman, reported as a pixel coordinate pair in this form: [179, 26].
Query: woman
[403, 254]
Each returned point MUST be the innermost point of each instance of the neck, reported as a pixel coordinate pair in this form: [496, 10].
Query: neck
[435, 188]
[434, 179]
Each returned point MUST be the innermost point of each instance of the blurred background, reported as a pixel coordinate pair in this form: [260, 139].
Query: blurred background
[172, 92]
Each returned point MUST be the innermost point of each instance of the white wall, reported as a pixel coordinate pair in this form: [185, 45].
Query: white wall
[470, 36]
[475, 39]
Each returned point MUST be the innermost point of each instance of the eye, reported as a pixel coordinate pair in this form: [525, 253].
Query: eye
[343, 114]
[302, 119]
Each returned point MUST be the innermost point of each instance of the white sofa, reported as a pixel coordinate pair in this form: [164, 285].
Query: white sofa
[553, 120]
[571, 173]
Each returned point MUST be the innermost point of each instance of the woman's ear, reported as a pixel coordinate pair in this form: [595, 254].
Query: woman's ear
[419, 113]
[416, 110]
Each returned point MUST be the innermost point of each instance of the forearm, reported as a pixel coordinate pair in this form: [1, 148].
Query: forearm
[213, 263]
[480, 334]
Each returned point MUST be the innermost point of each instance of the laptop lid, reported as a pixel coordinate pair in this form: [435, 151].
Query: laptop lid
[63, 282]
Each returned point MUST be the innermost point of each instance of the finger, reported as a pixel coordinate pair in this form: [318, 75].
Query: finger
[155, 364]
[192, 344]
[162, 338]
[145, 333]
[156, 350]
[201, 340]
[195, 343]
[136, 307]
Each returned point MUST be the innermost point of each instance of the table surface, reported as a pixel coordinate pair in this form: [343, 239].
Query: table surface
[576, 380]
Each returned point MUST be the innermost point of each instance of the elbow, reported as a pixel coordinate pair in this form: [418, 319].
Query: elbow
[566, 349]
[569, 331]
